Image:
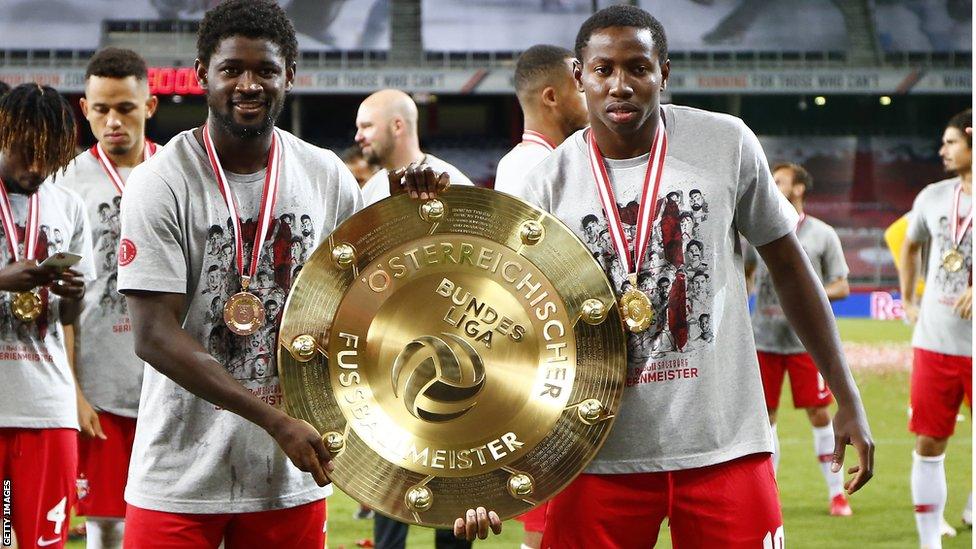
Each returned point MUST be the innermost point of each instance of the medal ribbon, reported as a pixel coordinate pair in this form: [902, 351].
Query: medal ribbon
[959, 230]
[648, 200]
[148, 149]
[268, 196]
[529, 136]
[33, 225]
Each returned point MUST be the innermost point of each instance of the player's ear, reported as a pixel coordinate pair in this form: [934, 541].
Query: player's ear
[578, 74]
[201, 71]
[83, 103]
[151, 105]
[290, 76]
[665, 72]
[549, 96]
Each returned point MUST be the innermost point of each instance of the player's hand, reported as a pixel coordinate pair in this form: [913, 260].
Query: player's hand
[419, 180]
[88, 419]
[851, 427]
[476, 523]
[69, 284]
[24, 275]
[304, 447]
[911, 311]
[964, 305]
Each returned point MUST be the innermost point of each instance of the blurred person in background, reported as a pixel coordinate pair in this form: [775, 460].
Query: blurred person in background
[361, 168]
[117, 104]
[552, 108]
[941, 218]
[780, 350]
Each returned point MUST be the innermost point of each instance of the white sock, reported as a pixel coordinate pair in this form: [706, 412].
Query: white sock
[967, 513]
[823, 445]
[929, 498]
[772, 428]
[104, 533]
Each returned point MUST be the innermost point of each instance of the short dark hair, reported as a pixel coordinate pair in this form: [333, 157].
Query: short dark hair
[352, 154]
[800, 174]
[623, 16]
[117, 63]
[538, 65]
[249, 18]
[37, 123]
[4, 88]
[961, 121]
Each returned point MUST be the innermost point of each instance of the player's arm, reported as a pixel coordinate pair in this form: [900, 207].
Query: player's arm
[166, 346]
[805, 303]
[87, 416]
[838, 288]
[908, 268]
[750, 271]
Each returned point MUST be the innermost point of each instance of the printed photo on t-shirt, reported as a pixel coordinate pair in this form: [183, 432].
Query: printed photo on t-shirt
[675, 274]
[290, 241]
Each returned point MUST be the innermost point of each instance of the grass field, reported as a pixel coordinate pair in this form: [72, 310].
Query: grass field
[878, 352]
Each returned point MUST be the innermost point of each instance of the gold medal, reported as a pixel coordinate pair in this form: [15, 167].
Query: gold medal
[636, 308]
[26, 306]
[244, 313]
[952, 260]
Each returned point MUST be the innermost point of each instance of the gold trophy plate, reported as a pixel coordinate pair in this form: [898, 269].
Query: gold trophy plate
[465, 351]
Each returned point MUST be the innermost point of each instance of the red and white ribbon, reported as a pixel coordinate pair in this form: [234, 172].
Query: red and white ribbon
[959, 229]
[268, 197]
[536, 138]
[148, 149]
[647, 212]
[32, 228]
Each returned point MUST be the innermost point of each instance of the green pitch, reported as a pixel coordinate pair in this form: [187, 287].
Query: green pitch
[882, 511]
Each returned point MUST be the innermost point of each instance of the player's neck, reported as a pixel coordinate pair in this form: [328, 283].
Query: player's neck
[237, 155]
[130, 159]
[967, 182]
[798, 204]
[549, 128]
[617, 146]
[403, 156]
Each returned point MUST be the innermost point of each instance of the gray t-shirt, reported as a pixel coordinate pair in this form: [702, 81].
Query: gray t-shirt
[37, 389]
[378, 186]
[822, 245]
[108, 370]
[693, 395]
[189, 456]
[939, 329]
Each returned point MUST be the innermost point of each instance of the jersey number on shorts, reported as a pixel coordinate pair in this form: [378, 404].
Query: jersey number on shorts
[775, 540]
[57, 515]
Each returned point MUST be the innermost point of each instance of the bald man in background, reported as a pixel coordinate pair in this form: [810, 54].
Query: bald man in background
[386, 131]
[552, 106]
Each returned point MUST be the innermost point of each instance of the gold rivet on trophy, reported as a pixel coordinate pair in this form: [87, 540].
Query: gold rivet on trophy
[419, 499]
[303, 348]
[520, 485]
[334, 442]
[593, 311]
[532, 232]
[432, 210]
[590, 411]
[344, 255]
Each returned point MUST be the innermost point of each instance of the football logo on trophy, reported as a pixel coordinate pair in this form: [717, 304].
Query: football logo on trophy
[438, 378]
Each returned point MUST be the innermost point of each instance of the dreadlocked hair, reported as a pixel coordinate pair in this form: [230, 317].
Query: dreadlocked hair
[37, 123]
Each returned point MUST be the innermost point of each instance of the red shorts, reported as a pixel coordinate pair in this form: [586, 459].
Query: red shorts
[103, 467]
[939, 384]
[534, 520]
[729, 505]
[807, 385]
[301, 527]
[40, 466]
